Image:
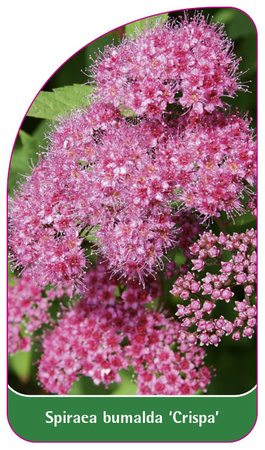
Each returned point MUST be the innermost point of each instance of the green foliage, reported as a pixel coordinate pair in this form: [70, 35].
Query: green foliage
[247, 219]
[85, 385]
[49, 105]
[238, 24]
[20, 364]
[25, 153]
[134, 28]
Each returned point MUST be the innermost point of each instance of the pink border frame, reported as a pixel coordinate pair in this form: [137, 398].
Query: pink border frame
[120, 442]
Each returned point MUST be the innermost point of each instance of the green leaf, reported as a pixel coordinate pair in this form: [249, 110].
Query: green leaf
[132, 29]
[238, 24]
[241, 26]
[21, 363]
[225, 15]
[127, 386]
[11, 276]
[26, 152]
[245, 219]
[50, 104]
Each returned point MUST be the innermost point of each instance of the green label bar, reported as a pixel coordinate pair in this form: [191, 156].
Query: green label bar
[132, 419]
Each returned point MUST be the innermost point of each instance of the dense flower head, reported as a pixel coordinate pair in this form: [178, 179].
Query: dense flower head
[103, 334]
[191, 61]
[122, 182]
[203, 293]
[51, 211]
[216, 160]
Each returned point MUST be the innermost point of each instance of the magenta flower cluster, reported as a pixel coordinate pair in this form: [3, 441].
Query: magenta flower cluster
[192, 60]
[105, 332]
[122, 181]
[202, 293]
[139, 173]
[28, 308]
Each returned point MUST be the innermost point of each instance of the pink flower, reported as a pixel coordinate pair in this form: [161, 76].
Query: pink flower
[208, 306]
[198, 264]
[227, 267]
[204, 338]
[227, 294]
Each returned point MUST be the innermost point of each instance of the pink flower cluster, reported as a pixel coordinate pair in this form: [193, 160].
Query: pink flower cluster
[192, 61]
[238, 269]
[216, 157]
[104, 333]
[27, 312]
[123, 181]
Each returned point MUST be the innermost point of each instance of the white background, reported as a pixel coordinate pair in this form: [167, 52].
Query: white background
[35, 41]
